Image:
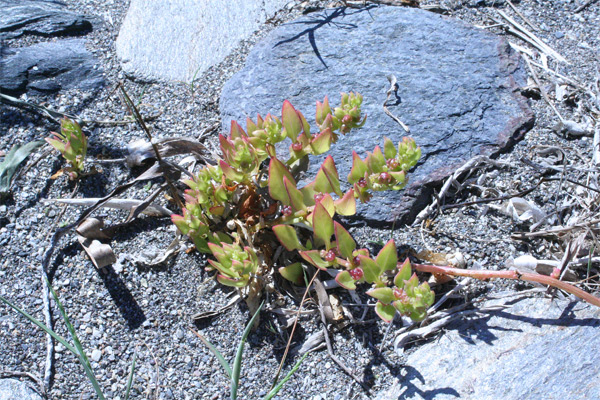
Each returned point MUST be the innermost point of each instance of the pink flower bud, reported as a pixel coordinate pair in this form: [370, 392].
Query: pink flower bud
[357, 273]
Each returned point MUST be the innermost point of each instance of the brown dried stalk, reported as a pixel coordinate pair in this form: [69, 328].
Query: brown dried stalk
[514, 275]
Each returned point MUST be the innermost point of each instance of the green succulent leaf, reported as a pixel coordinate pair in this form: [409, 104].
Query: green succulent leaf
[344, 240]
[308, 194]
[385, 311]
[383, 294]
[347, 204]
[403, 274]
[346, 281]
[411, 284]
[313, 257]
[322, 142]
[387, 259]
[293, 273]
[328, 203]
[291, 120]
[295, 196]
[322, 224]
[376, 161]
[287, 236]
[327, 180]
[359, 168]
[370, 268]
[231, 173]
[227, 281]
[389, 149]
[277, 170]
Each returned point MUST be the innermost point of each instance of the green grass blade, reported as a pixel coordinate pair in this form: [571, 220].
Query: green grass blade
[130, 379]
[85, 363]
[40, 325]
[237, 364]
[278, 387]
[217, 354]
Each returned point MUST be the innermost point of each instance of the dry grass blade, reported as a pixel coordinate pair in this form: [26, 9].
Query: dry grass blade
[527, 21]
[134, 111]
[529, 37]
[153, 210]
[470, 165]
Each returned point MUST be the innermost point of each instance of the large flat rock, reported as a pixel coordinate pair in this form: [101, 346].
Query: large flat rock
[175, 40]
[49, 67]
[458, 89]
[41, 18]
[536, 349]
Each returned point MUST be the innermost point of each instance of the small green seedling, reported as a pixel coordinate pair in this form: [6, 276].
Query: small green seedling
[233, 371]
[72, 144]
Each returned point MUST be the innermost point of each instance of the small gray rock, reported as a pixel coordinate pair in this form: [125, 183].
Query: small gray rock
[13, 389]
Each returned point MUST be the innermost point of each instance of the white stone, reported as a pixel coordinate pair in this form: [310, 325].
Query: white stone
[96, 355]
[173, 40]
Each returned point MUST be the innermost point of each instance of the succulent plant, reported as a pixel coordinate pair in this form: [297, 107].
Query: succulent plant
[72, 144]
[243, 199]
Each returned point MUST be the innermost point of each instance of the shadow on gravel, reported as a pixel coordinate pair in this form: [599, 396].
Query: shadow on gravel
[128, 307]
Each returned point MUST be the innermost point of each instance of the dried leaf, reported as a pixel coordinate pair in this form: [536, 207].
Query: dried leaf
[142, 150]
[88, 233]
[153, 210]
[324, 303]
[522, 210]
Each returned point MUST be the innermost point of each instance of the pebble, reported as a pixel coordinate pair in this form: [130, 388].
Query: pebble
[96, 355]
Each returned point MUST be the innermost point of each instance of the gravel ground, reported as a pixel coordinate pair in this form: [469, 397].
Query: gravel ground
[127, 309]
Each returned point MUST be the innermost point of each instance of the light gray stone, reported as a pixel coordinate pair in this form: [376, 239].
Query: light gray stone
[176, 39]
[13, 389]
[458, 90]
[536, 349]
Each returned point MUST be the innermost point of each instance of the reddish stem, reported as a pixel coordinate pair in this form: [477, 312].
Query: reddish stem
[515, 275]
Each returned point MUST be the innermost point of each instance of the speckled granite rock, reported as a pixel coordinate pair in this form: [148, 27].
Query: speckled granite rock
[175, 40]
[13, 389]
[536, 349]
[458, 89]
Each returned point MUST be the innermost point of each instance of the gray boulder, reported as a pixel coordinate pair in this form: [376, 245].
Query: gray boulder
[458, 89]
[175, 40]
[536, 349]
[48, 68]
[38, 17]
[13, 389]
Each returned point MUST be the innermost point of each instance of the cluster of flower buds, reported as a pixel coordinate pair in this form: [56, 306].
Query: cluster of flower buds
[406, 296]
[208, 191]
[383, 170]
[72, 144]
[236, 265]
[345, 117]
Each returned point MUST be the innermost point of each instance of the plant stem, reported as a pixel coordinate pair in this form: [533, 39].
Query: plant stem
[514, 275]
